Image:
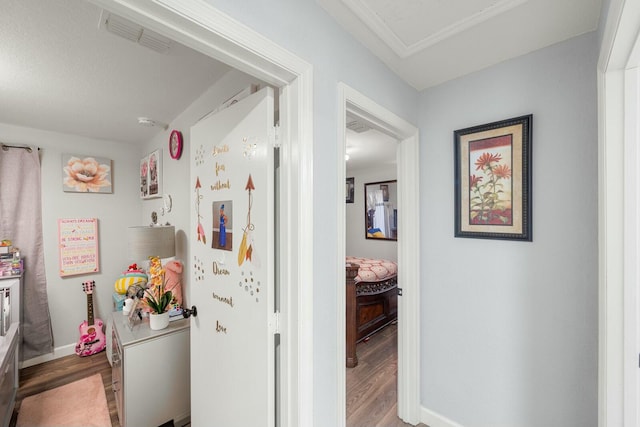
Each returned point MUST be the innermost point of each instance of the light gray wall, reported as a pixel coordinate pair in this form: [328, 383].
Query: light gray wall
[509, 329]
[116, 211]
[67, 301]
[302, 27]
[356, 243]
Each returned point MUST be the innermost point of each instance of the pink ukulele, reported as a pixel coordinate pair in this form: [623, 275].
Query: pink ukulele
[92, 339]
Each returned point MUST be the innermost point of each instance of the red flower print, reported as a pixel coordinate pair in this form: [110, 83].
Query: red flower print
[486, 159]
[502, 171]
[474, 180]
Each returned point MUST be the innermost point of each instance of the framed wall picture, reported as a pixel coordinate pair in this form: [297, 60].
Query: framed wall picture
[492, 180]
[151, 175]
[86, 174]
[78, 246]
[350, 189]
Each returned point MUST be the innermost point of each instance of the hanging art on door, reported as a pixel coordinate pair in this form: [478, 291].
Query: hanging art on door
[202, 237]
[247, 250]
[232, 167]
[222, 234]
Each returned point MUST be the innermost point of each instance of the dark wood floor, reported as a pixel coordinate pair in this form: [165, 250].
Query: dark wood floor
[38, 378]
[372, 385]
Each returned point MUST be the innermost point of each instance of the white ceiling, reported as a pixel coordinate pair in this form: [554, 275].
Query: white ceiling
[427, 42]
[61, 71]
[369, 148]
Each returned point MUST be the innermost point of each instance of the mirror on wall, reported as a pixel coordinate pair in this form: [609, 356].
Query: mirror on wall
[381, 210]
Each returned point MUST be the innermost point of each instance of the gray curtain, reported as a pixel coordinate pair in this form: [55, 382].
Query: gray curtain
[21, 221]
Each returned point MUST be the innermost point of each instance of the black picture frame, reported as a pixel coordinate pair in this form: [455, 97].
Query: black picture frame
[492, 180]
[350, 190]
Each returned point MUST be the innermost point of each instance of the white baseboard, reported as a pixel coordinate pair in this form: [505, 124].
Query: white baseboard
[433, 419]
[58, 352]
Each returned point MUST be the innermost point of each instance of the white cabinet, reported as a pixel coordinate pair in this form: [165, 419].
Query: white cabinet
[9, 345]
[8, 373]
[151, 372]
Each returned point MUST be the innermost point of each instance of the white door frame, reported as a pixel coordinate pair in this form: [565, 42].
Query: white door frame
[619, 235]
[408, 251]
[200, 26]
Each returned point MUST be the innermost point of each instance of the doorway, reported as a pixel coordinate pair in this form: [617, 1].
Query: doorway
[203, 28]
[358, 105]
[619, 130]
[370, 237]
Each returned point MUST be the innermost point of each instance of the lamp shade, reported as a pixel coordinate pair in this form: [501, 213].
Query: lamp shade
[146, 241]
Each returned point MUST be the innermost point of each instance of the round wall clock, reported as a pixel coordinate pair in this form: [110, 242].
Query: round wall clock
[175, 144]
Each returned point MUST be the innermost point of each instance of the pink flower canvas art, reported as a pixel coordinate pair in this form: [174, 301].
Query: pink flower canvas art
[86, 174]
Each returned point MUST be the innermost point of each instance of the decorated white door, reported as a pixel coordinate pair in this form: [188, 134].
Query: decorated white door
[233, 265]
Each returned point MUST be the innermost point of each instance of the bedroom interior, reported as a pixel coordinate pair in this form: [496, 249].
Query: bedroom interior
[478, 333]
[371, 272]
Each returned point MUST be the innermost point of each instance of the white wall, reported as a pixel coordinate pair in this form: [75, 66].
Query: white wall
[509, 329]
[356, 243]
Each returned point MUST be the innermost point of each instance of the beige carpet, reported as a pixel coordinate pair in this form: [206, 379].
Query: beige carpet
[79, 404]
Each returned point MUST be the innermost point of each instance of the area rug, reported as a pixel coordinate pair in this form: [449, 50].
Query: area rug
[78, 404]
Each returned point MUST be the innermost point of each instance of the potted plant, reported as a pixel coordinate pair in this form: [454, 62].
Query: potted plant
[158, 299]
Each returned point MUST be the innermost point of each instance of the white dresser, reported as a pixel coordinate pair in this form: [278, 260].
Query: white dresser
[151, 375]
[10, 347]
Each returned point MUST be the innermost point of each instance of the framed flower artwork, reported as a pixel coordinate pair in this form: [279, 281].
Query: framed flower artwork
[86, 174]
[493, 180]
[151, 175]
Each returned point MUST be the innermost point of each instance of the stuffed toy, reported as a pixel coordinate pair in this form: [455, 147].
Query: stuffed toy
[133, 276]
[173, 280]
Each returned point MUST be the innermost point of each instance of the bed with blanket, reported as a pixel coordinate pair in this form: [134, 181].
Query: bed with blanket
[371, 299]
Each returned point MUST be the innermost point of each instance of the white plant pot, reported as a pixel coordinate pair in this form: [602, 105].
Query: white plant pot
[158, 321]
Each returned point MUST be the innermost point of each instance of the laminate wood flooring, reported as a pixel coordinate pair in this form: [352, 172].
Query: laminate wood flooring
[45, 376]
[372, 385]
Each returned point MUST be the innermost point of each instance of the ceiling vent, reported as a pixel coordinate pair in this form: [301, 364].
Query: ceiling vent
[134, 32]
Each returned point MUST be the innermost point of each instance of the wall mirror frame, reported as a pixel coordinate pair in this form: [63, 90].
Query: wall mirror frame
[381, 210]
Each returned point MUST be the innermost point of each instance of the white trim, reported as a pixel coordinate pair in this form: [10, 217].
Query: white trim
[619, 38]
[631, 253]
[198, 25]
[409, 279]
[434, 419]
[381, 29]
[58, 352]
[408, 251]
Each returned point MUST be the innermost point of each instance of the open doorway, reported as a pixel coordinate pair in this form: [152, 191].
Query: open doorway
[371, 243]
[199, 26]
[361, 107]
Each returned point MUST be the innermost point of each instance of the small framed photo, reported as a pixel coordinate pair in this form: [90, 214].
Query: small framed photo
[350, 189]
[151, 175]
[385, 192]
[135, 314]
[492, 180]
